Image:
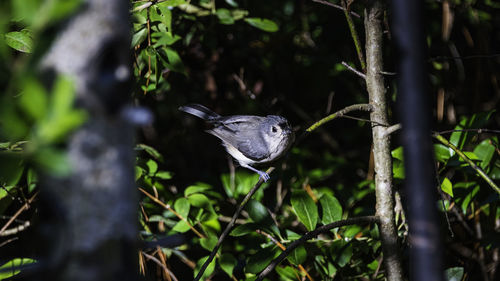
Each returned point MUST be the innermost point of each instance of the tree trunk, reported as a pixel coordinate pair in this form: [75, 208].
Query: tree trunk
[90, 216]
[381, 140]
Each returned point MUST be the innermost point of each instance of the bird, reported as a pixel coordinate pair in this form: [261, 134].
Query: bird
[249, 139]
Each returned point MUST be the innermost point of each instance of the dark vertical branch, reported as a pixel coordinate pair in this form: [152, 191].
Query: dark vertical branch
[91, 214]
[425, 253]
[381, 140]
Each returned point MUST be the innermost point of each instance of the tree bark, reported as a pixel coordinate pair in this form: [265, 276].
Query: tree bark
[90, 217]
[381, 140]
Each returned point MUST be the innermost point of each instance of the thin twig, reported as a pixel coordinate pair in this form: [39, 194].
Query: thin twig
[357, 72]
[158, 201]
[340, 113]
[283, 248]
[354, 35]
[312, 234]
[470, 162]
[15, 230]
[392, 129]
[479, 131]
[335, 6]
[161, 265]
[24, 207]
[230, 225]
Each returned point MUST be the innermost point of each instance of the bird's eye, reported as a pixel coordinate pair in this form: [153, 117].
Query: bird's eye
[274, 129]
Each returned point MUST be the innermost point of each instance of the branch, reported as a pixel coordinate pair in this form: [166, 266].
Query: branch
[340, 113]
[335, 6]
[357, 72]
[312, 234]
[230, 225]
[470, 162]
[354, 34]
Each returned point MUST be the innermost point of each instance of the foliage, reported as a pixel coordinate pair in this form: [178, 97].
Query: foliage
[246, 57]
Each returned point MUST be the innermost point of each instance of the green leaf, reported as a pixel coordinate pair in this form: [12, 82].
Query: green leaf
[447, 187]
[485, 151]
[209, 242]
[398, 153]
[263, 24]
[20, 40]
[152, 166]
[476, 121]
[174, 61]
[33, 99]
[227, 262]
[298, 255]
[198, 188]
[139, 172]
[257, 262]
[182, 207]
[286, 273]
[332, 210]
[244, 229]
[442, 153]
[139, 37]
[199, 200]
[150, 150]
[305, 209]
[224, 16]
[181, 226]
[6, 271]
[163, 175]
[454, 274]
[398, 169]
[31, 180]
[259, 214]
[53, 161]
[208, 271]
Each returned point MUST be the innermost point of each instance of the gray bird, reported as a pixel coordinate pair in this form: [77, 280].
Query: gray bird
[249, 139]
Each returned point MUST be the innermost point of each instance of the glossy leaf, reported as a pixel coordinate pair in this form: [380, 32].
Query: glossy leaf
[5, 271]
[198, 188]
[454, 274]
[244, 229]
[331, 209]
[263, 24]
[447, 187]
[208, 271]
[182, 206]
[485, 151]
[20, 41]
[305, 209]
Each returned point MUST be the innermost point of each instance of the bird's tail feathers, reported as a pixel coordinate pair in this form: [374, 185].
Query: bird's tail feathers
[200, 111]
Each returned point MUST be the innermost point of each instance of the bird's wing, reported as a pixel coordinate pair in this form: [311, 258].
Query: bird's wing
[244, 136]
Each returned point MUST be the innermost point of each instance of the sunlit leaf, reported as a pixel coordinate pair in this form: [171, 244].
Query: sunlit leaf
[447, 187]
[198, 188]
[208, 271]
[454, 274]
[20, 41]
[10, 268]
[263, 24]
[182, 206]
